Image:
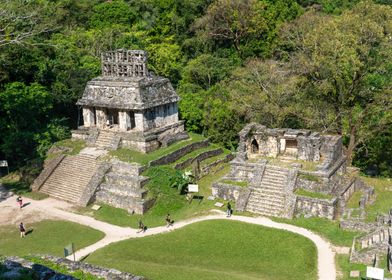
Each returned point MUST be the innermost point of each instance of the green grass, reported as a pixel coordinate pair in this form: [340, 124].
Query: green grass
[169, 201]
[312, 194]
[214, 250]
[326, 228]
[235, 183]
[309, 177]
[345, 267]
[353, 202]
[135, 156]
[75, 145]
[47, 237]
[196, 153]
[383, 191]
[210, 160]
[13, 184]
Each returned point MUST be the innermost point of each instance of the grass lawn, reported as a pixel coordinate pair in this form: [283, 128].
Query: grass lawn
[135, 156]
[210, 160]
[47, 237]
[220, 249]
[353, 202]
[196, 153]
[383, 191]
[235, 183]
[75, 145]
[313, 194]
[328, 229]
[169, 201]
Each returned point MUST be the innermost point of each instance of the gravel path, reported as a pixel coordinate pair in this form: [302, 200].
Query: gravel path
[51, 208]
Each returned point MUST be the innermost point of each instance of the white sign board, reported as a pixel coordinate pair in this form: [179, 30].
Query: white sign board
[193, 188]
[3, 163]
[375, 273]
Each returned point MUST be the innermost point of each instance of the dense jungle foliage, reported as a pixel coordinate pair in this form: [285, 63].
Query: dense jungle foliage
[317, 64]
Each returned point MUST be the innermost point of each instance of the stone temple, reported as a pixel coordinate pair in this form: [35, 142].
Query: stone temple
[129, 107]
[290, 172]
[126, 107]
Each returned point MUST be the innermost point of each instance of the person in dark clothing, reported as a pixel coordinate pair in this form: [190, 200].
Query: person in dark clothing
[228, 209]
[169, 221]
[142, 227]
[19, 200]
[22, 230]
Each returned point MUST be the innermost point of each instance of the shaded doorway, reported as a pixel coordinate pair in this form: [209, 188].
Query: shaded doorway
[254, 147]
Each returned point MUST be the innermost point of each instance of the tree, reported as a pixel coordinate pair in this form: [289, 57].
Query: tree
[346, 61]
[266, 92]
[233, 21]
[21, 20]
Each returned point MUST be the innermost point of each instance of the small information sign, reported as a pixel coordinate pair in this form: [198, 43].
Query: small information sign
[3, 163]
[374, 273]
[69, 250]
[193, 188]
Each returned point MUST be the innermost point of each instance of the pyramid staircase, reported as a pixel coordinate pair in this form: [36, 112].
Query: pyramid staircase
[123, 188]
[267, 196]
[71, 177]
[107, 140]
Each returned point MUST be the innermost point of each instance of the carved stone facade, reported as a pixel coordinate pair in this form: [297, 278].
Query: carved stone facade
[128, 98]
[289, 172]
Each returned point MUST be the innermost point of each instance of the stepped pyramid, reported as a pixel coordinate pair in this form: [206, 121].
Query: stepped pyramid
[123, 188]
[70, 178]
[268, 197]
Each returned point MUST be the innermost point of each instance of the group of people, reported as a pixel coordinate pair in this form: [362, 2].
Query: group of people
[168, 219]
[22, 229]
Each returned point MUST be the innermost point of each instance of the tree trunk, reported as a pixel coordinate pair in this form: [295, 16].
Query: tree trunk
[351, 144]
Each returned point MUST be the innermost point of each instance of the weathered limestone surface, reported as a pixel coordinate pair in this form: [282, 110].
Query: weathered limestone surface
[49, 167]
[128, 98]
[316, 207]
[123, 188]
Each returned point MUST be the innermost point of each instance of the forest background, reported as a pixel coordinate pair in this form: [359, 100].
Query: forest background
[318, 64]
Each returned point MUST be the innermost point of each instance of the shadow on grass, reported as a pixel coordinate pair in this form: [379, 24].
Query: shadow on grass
[30, 231]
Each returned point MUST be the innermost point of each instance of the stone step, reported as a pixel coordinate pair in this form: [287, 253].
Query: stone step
[126, 180]
[266, 212]
[122, 190]
[129, 203]
[267, 201]
[274, 178]
[132, 169]
[266, 184]
[276, 171]
[69, 180]
[269, 191]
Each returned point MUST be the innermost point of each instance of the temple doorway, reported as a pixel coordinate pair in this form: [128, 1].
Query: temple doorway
[254, 147]
[112, 116]
[291, 147]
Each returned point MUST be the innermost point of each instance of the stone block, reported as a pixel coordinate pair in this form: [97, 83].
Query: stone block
[354, 274]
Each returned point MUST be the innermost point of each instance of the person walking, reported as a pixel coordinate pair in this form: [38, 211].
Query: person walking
[169, 221]
[19, 201]
[142, 227]
[228, 210]
[22, 230]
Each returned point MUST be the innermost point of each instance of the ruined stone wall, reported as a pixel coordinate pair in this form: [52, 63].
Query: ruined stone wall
[243, 171]
[226, 191]
[174, 156]
[309, 147]
[19, 268]
[315, 207]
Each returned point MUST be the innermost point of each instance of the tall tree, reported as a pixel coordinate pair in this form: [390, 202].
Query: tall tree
[346, 60]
